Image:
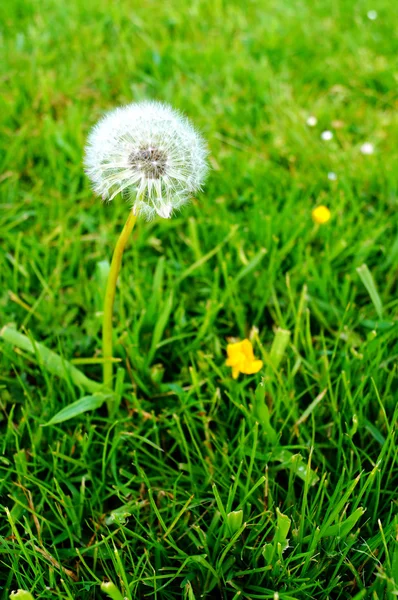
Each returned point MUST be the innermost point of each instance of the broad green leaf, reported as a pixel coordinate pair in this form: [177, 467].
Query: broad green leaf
[279, 345]
[290, 461]
[21, 595]
[268, 553]
[77, 408]
[109, 588]
[51, 361]
[102, 269]
[189, 591]
[295, 463]
[234, 521]
[283, 526]
[343, 529]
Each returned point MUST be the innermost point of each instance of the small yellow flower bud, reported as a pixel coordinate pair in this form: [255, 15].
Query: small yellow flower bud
[321, 214]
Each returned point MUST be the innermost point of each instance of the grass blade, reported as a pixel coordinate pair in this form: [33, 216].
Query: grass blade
[109, 588]
[369, 283]
[53, 363]
[278, 348]
[77, 408]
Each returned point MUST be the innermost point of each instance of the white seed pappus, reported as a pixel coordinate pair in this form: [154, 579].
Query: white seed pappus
[148, 152]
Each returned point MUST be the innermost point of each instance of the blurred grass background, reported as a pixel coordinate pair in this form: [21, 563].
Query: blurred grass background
[245, 253]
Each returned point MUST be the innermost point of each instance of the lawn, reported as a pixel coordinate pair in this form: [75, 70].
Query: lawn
[278, 485]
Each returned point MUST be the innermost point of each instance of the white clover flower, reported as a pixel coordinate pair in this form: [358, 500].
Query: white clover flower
[372, 15]
[148, 152]
[326, 135]
[332, 176]
[367, 148]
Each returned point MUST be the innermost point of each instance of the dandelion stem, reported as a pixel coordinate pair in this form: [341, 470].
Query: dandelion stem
[110, 298]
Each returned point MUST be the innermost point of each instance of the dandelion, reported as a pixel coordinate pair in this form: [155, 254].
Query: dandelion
[312, 121]
[152, 156]
[326, 135]
[332, 176]
[372, 15]
[367, 148]
[321, 214]
[241, 359]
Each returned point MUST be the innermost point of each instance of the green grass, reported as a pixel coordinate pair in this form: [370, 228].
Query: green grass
[144, 499]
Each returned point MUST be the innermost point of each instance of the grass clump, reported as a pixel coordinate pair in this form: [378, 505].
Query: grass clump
[280, 484]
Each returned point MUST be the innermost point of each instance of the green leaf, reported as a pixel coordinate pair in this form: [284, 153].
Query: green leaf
[21, 595]
[220, 505]
[295, 463]
[283, 526]
[268, 553]
[77, 408]
[368, 282]
[255, 261]
[102, 269]
[279, 345]
[343, 529]
[377, 325]
[109, 588]
[375, 432]
[234, 521]
[206, 257]
[160, 327]
[394, 562]
[261, 413]
[51, 361]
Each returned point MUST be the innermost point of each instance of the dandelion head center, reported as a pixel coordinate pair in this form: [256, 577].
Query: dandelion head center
[150, 161]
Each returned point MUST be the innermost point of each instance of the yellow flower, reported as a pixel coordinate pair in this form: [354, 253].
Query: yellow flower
[241, 359]
[321, 214]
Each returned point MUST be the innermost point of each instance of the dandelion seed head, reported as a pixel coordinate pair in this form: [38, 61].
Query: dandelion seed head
[326, 135]
[367, 148]
[332, 176]
[372, 15]
[312, 121]
[149, 153]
